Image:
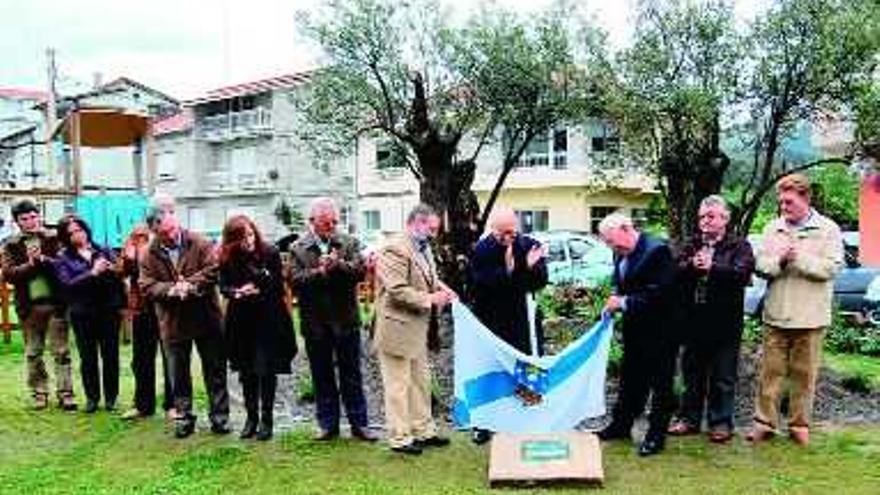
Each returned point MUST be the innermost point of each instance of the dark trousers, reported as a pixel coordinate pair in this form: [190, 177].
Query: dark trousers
[709, 370]
[144, 346]
[210, 349]
[259, 396]
[328, 351]
[98, 335]
[648, 369]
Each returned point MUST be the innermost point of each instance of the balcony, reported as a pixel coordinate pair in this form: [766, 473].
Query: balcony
[233, 125]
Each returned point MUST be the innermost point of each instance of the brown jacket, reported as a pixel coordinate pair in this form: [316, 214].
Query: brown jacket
[19, 272]
[799, 294]
[198, 314]
[329, 299]
[405, 278]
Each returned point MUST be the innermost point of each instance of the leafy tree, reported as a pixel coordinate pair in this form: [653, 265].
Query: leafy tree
[400, 72]
[670, 89]
[810, 59]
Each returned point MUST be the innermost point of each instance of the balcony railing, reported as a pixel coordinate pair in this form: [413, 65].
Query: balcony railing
[233, 125]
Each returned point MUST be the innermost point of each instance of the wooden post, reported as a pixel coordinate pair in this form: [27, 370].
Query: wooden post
[76, 138]
[5, 324]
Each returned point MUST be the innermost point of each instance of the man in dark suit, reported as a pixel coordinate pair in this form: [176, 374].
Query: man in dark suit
[644, 273]
[505, 269]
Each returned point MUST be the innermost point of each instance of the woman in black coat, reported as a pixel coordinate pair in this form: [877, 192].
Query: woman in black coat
[95, 295]
[259, 329]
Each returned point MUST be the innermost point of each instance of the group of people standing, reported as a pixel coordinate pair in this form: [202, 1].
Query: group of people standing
[689, 297]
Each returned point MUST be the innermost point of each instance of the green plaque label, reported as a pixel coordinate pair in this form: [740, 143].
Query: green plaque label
[539, 451]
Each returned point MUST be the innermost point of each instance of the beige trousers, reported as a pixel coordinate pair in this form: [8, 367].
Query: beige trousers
[407, 383]
[792, 353]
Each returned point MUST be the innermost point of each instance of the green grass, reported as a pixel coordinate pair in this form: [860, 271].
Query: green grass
[855, 365]
[59, 453]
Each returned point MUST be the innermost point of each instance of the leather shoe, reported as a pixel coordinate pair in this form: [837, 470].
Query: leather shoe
[66, 402]
[435, 441]
[409, 449]
[364, 435]
[652, 445]
[800, 435]
[110, 405]
[91, 407]
[326, 435]
[479, 436]
[613, 432]
[220, 428]
[249, 429]
[41, 402]
[264, 431]
[184, 429]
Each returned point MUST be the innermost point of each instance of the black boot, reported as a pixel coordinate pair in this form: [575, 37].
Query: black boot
[249, 388]
[267, 405]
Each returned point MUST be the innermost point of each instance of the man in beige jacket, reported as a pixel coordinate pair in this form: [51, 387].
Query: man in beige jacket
[409, 296]
[800, 254]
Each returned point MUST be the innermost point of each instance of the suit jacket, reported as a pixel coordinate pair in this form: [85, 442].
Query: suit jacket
[198, 314]
[329, 299]
[18, 272]
[405, 278]
[647, 283]
[499, 296]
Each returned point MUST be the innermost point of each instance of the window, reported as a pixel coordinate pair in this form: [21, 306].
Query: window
[560, 148]
[533, 220]
[372, 220]
[243, 160]
[545, 148]
[389, 155]
[597, 213]
[166, 165]
[604, 139]
[196, 219]
[248, 210]
[220, 159]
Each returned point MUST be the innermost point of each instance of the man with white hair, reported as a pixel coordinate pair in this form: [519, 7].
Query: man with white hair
[327, 267]
[506, 268]
[644, 274]
[179, 274]
[713, 271]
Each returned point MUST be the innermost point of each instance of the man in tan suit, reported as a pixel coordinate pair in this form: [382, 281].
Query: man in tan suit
[409, 296]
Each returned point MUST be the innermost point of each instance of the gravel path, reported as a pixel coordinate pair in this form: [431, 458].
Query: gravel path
[834, 404]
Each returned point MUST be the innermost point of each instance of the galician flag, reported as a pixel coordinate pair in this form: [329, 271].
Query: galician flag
[501, 389]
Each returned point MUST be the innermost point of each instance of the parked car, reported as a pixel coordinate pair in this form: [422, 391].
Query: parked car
[576, 257]
[850, 285]
[872, 302]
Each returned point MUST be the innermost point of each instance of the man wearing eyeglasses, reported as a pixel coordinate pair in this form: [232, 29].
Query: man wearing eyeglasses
[327, 267]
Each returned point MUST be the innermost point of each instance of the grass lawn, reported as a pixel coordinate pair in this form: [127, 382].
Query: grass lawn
[54, 452]
[855, 365]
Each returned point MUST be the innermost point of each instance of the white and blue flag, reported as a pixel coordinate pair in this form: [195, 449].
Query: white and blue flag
[492, 378]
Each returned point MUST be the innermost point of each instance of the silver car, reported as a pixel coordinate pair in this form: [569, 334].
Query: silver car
[576, 257]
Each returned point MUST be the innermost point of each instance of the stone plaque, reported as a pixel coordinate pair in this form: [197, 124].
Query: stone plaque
[545, 458]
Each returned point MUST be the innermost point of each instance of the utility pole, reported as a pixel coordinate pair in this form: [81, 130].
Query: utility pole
[51, 115]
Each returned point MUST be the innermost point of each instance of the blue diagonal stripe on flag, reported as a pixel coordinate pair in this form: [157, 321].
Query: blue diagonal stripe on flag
[488, 370]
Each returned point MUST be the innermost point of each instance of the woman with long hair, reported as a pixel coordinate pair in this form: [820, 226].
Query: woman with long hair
[95, 295]
[259, 329]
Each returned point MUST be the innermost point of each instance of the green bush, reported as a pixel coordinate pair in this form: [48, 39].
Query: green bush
[845, 337]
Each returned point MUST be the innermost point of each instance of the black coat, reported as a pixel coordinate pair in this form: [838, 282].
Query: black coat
[721, 315]
[259, 329]
[499, 297]
[648, 285]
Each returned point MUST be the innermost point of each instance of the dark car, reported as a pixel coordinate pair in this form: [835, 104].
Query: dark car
[850, 285]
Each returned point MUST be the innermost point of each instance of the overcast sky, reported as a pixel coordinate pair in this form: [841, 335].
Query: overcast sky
[185, 47]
